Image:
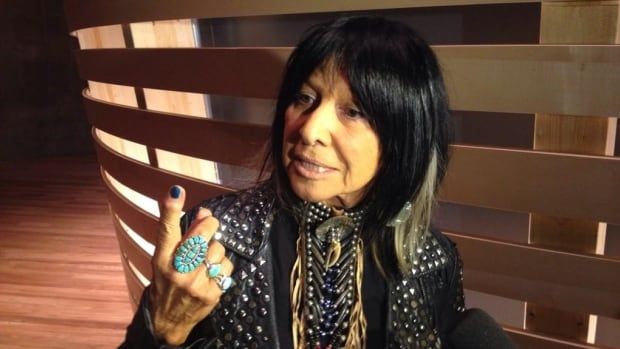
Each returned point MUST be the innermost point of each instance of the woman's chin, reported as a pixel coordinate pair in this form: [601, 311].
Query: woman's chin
[309, 192]
[308, 195]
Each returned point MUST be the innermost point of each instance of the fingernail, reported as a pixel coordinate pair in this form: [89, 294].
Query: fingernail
[175, 192]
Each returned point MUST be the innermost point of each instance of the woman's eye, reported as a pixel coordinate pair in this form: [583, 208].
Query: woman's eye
[304, 99]
[353, 113]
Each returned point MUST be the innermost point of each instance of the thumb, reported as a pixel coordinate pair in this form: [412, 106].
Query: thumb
[170, 208]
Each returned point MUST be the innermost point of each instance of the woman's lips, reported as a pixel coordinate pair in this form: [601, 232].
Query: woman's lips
[311, 169]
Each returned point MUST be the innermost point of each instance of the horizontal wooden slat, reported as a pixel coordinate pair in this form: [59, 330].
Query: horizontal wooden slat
[576, 186]
[130, 250]
[220, 71]
[557, 296]
[554, 79]
[134, 174]
[557, 79]
[198, 137]
[106, 12]
[577, 282]
[134, 285]
[140, 221]
[529, 340]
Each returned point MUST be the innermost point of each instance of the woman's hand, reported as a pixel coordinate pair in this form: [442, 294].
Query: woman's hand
[180, 300]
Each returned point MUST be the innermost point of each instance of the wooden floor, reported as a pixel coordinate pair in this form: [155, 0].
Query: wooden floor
[61, 280]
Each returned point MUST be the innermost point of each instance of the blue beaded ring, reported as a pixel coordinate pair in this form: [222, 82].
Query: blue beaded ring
[190, 254]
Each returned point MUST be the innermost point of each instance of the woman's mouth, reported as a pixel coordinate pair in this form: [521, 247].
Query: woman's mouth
[310, 169]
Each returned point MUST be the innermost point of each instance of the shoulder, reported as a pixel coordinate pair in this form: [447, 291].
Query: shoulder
[434, 264]
[244, 217]
[421, 294]
[435, 252]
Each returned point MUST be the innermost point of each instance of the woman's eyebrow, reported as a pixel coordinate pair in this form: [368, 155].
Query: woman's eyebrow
[313, 85]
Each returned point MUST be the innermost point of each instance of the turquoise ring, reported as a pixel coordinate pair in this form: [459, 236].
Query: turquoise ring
[213, 269]
[190, 254]
[224, 282]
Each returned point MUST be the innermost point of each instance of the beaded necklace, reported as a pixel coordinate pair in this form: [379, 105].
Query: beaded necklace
[326, 279]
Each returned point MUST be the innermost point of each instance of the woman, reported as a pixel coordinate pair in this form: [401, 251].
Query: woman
[335, 249]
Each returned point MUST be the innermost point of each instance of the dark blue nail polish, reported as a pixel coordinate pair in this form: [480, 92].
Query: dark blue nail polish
[175, 192]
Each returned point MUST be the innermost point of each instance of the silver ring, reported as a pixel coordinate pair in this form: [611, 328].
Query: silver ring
[213, 269]
[224, 282]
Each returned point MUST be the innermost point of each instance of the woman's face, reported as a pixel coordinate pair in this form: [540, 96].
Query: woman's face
[331, 153]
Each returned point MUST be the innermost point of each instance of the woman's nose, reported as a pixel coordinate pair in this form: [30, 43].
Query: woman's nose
[318, 124]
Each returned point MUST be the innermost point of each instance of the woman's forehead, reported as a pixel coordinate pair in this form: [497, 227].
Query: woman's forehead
[329, 77]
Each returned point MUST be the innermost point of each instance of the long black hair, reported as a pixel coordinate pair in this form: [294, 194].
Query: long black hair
[396, 80]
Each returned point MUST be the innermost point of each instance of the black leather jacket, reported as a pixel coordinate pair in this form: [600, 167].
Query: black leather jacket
[422, 307]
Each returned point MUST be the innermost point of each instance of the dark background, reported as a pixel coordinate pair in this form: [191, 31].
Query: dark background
[41, 112]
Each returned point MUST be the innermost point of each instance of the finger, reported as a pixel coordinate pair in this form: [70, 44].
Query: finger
[206, 227]
[227, 267]
[226, 270]
[169, 221]
[201, 214]
[213, 291]
[216, 252]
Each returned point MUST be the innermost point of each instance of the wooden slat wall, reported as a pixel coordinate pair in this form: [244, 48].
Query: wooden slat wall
[559, 79]
[501, 78]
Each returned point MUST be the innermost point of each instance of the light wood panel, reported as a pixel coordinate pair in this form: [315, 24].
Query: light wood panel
[61, 282]
[573, 80]
[591, 22]
[102, 12]
[199, 137]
